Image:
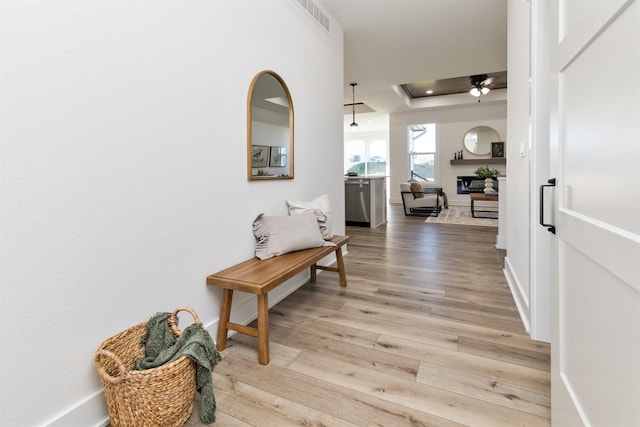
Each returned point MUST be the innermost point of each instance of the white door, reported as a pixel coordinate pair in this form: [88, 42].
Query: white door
[595, 152]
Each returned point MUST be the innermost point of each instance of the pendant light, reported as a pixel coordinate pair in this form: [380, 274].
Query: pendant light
[353, 105]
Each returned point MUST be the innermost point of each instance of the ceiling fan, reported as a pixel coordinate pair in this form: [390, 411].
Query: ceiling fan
[480, 84]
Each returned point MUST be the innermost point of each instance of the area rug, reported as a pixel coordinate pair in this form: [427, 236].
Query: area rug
[461, 215]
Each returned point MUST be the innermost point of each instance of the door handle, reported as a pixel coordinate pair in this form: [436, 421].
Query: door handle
[550, 227]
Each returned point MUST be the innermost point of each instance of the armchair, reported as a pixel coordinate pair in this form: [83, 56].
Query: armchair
[421, 200]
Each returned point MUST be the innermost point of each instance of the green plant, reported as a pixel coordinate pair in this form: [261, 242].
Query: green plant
[486, 172]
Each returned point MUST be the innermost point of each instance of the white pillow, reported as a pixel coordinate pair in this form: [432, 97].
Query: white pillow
[320, 207]
[277, 235]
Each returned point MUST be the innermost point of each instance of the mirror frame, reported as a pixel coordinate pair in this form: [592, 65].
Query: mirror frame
[251, 177]
[464, 137]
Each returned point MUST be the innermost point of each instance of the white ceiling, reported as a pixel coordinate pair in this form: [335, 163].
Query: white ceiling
[392, 42]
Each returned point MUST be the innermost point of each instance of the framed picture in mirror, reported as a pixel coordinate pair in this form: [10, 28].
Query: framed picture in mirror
[277, 157]
[259, 156]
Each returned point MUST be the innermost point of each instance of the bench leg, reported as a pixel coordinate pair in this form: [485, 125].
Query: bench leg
[225, 313]
[314, 273]
[341, 270]
[263, 329]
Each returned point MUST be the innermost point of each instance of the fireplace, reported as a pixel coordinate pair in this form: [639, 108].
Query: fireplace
[473, 184]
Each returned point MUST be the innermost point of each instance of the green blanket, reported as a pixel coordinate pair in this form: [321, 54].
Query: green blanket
[194, 342]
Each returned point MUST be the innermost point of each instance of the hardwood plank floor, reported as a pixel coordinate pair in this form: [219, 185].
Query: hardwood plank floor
[425, 334]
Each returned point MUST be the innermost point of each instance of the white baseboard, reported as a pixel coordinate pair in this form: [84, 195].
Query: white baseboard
[519, 296]
[92, 411]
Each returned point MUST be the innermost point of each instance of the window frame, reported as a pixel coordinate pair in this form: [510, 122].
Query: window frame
[410, 154]
[367, 155]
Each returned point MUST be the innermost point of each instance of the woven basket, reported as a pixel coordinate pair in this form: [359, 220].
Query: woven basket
[158, 397]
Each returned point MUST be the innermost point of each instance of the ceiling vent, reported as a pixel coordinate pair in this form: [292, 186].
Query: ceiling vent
[314, 12]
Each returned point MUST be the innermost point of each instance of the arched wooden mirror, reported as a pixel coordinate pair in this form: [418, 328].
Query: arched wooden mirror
[269, 128]
[478, 140]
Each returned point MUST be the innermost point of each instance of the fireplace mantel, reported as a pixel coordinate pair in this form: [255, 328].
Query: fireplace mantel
[494, 160]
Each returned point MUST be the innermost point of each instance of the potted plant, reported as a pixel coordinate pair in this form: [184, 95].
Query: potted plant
[488, 174]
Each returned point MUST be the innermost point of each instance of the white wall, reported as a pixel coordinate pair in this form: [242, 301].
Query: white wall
[123, 173]
[453, 123]
[517, 261]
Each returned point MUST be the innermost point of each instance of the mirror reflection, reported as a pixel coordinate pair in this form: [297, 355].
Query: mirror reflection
[478, 140]
[269, 128]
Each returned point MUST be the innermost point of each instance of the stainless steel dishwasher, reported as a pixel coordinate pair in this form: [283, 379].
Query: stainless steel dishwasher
[357, 201]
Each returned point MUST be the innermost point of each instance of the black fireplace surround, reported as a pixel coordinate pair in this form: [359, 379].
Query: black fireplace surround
[473, 184]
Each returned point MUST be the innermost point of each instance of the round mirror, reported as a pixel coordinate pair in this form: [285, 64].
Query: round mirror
[478, 140]
[269, 128]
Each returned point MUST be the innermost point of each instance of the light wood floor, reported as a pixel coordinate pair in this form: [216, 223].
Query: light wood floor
[425, 334]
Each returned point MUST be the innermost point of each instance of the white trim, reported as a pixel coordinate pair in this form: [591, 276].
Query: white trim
[519, 297]
[540, 238]
[92, 411]
[575, 400]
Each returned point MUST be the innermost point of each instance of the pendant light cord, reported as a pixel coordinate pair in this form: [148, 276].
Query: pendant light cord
[353, 104]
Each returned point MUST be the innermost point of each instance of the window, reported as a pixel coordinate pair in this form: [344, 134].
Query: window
[365, 157]
[422, 151]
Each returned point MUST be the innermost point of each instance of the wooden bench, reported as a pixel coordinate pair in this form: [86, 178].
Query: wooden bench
[259, 277]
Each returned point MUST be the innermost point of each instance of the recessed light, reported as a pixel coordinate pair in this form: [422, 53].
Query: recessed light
[429, 92]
